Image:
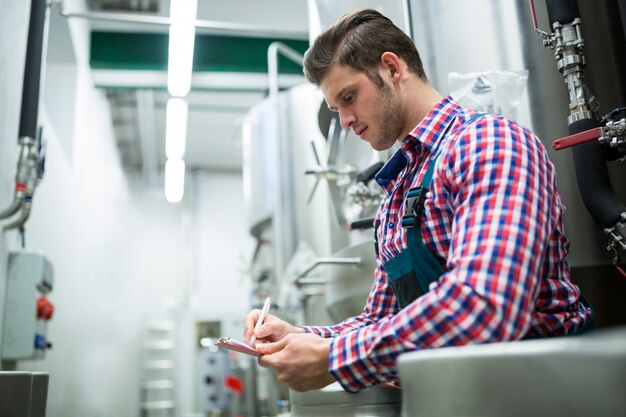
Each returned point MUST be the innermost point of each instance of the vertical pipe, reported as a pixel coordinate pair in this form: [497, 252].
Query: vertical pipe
[406, 12]
[589, 160]
[27, 157]
[279, 218]
[562, 11]
[32, 70]
[622, 13]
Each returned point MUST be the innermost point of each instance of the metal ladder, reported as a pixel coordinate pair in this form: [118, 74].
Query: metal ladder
[157, 372]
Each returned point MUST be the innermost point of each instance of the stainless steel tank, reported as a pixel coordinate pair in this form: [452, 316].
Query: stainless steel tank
[333, 401]
[310, 220]
[572, 376]
[259, 134]
[346, 278]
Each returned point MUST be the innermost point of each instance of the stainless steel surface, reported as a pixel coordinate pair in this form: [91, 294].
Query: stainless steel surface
[329, 170]
[300, 280]
[569, 376]
[39, 394]
[348, 285]
[345, 281]
[282, 216]
[23, 394]
[316, 222]
[16, 391]
[259, 158]
[334, 401]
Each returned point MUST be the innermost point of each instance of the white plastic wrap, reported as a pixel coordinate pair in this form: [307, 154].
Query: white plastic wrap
[490, 91]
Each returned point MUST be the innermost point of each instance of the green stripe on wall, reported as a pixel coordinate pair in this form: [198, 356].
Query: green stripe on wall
[148, 51]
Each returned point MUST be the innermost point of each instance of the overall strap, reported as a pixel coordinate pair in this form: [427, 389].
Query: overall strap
[427, 268]
[416, 196]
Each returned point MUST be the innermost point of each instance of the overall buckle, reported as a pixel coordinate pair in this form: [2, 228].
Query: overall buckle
[414, 206]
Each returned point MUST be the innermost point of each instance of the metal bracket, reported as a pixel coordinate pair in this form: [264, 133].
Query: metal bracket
[617, 235]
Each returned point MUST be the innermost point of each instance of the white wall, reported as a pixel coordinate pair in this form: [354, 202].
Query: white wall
[121, 254]
[13, 18]
[221, 251]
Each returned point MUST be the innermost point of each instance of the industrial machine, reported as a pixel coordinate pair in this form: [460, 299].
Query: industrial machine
[27, 311]
[594, 138]
[27, 308]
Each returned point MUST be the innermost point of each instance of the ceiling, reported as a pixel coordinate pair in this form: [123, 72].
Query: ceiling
[225, 85]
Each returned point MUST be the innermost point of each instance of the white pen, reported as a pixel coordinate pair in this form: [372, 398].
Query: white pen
[264, 311]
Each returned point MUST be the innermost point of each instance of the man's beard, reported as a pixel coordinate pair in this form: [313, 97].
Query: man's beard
[389, 118]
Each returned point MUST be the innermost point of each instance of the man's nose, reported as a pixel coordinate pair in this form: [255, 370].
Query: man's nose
[346, 119]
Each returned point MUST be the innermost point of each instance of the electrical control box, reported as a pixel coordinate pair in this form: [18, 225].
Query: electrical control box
[213, 369]
[26, 306]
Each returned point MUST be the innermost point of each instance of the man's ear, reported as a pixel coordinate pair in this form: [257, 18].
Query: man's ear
[392, 64]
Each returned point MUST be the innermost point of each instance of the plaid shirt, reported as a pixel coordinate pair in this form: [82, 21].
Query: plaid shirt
[493, 218]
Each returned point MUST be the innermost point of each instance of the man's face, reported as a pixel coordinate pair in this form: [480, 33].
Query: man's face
[374, 113]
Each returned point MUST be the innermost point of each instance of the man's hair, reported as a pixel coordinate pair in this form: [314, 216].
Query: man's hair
[358, 40]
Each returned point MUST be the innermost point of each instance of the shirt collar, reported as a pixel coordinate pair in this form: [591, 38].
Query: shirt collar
[427, 133]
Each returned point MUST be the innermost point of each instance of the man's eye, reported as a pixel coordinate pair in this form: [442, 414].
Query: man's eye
[348, 99]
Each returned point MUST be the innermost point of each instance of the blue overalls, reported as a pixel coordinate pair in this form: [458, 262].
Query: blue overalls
[411, 272]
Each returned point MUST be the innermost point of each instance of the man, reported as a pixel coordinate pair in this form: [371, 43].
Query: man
[470, 242]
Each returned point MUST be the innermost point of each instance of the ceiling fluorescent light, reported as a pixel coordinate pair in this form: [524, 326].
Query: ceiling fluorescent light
[174, 180]
[180, 59]
[176, 128]
[181, 45]
[183, 11]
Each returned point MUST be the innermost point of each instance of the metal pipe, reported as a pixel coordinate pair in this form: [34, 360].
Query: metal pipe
[279, 214]
[562, 11]
[30, 184]
[326, 261]
[209, 26]
[406, 12]
[622, 14]
[29, 113]
[26, 167]
[593, 179]
[589, 158]
[14, 207]
[32, 69]
[310, 281]
[20, 221]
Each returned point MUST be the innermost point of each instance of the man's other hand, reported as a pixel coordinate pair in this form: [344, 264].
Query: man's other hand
[299, 360]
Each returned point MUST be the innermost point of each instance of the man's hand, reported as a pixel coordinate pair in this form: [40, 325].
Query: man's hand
[273, 329]
[299, 360]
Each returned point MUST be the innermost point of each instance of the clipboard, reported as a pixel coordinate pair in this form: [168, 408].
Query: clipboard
[237, 346]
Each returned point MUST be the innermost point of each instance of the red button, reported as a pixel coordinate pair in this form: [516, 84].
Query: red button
[45, 308]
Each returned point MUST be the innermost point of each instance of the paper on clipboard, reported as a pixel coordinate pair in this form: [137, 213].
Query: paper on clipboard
[237, 346]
